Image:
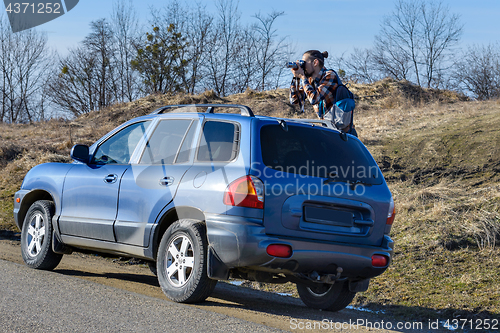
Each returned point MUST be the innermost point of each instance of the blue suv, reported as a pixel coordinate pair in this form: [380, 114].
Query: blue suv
[205, 196]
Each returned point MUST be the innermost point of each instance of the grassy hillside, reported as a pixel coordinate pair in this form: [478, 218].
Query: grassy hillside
[442, 163]
[439, 152]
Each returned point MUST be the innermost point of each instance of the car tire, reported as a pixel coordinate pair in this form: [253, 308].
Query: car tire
[36, 237]
[182, 262]
[326, 297]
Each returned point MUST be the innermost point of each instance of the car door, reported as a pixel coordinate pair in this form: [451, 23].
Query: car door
[151, 184]
[90, 193]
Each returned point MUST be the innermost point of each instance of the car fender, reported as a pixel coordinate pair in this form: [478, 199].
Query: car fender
[172, 212]
[45, 178]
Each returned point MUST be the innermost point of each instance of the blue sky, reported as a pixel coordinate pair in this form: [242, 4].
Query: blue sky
[336, 26]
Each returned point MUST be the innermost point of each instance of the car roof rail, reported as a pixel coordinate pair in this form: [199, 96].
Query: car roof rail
[245, 110]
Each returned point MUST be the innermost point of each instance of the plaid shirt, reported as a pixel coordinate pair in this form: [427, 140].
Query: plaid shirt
[317, 90]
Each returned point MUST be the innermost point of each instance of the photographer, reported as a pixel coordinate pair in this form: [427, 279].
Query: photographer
[312, 80]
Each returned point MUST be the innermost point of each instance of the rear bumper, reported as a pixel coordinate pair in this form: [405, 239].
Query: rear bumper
[242, 242]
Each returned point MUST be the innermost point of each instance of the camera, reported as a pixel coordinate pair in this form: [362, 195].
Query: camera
[294, 65]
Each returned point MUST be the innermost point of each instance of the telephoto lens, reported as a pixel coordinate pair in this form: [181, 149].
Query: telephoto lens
[294, 65]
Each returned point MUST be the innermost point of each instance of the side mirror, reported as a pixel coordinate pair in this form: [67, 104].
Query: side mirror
[80, 153]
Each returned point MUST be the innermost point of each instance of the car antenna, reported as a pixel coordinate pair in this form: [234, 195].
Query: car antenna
[283, 124]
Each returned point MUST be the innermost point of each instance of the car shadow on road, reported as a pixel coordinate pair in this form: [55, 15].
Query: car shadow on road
[10, 235]
[292, 309]
[139, 278]
[229, 295]
[415, 318]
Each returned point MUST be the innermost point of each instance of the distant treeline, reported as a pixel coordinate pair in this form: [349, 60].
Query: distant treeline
[184, 48]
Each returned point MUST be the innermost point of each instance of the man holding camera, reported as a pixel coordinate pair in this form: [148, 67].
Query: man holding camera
[312, 80]
[316, 83]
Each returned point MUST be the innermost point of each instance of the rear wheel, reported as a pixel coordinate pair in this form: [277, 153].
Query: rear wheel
[331, 297]
[36, 237]
[182, 262]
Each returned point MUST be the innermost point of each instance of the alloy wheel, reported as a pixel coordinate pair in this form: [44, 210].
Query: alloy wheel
[180, 260]
[36, 234]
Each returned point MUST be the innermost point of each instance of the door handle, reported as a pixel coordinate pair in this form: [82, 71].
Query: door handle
[166, 181]
[110, 179]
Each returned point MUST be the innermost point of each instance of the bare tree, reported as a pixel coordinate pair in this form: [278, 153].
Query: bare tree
[6, 69]
[270, 50]
[414, 41]
[125, 31]
[31, 71]
[390, 60]
[100, 43]
[478, 71]
[397, 45]
[87, 78]
[24, 61]
[74, 87]
[360, 66]
[441, 31]
[223, 48]
[245, 63]
[200, 28]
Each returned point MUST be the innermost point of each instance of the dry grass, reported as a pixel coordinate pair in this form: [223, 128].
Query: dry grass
[454, 216]
[439, 153]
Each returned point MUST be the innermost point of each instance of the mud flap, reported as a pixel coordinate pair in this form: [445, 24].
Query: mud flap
[217, 270]
[58, 246]
[358, 286]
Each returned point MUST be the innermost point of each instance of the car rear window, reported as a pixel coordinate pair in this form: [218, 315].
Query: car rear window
[317, 152]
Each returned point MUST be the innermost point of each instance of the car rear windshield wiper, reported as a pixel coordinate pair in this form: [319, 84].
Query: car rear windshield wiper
[353, 184]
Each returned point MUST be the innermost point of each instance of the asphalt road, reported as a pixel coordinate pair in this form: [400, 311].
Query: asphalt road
[91, 293]
[39, 301]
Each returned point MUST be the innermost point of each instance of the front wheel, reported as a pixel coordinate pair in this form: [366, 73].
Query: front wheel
[36, 237]
[331, 297]
[182, 262]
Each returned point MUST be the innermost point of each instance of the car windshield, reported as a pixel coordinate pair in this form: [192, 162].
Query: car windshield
[316, 152]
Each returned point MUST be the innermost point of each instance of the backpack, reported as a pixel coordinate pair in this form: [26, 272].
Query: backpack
[342, 112]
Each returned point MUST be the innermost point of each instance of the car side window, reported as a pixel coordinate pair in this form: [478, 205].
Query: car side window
[219, 142]
[119, 148]
[163, 146]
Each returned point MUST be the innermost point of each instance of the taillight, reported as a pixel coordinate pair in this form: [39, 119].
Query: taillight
[391, 213]
[247, 191]
[279, 250]
[379, 260]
